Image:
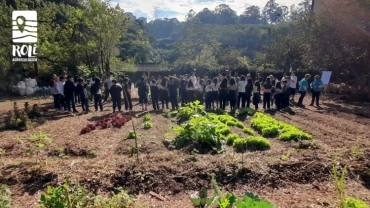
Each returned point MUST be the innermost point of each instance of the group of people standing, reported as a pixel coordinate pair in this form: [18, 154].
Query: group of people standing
[226, 90]
[221, 91]
[69, 91]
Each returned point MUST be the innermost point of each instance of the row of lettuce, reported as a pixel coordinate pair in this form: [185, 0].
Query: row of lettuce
[211, 129]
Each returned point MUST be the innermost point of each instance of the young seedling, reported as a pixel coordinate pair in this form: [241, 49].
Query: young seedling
[39, 142]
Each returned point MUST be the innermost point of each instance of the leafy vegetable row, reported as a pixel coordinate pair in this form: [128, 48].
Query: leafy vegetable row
[270, 127]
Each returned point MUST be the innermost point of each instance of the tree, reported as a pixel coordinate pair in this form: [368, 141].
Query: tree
[251, 15]
[225, 15]
[273, 13]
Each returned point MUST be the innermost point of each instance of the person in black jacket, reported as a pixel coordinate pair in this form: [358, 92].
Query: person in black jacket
[172, 90]
[82, 94]
[154, 92]
[182, 90]
[115, 92]
[69, 90]
[76, 97]
[96, 93]
[143, 90]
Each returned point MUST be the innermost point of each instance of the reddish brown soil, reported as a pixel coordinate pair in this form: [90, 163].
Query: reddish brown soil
[100, 160]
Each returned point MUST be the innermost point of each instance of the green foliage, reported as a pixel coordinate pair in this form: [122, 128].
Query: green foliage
[351, 202]
[199, 130]
[148, 125]
[120, 200]
[17, 119]
[251, 200]
[65, 195]
[270, 127]
[231, 138]
[131, 135]
[229, 200]
[75, 196]
[242, 112]
[240, 144]
[248, 131]
[201, 199]
[258, 143]
[146, 117]
[5, 199]
[190, 109]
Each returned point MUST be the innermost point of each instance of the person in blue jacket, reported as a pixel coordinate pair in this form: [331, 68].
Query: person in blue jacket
[316, 87]
[303, 87]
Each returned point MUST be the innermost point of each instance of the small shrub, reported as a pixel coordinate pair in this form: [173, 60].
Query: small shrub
[148, 125]
[10, 121]
[240, 144]
[351, 202]
[239, 125]
[146, 117]
[248, 131]
[5, 199]
[131, 135]
[34, 112]
[65, 195]
[120, 200]
[258, 143]
[231, 138]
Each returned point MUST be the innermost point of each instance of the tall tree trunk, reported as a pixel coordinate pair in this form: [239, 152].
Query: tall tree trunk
[36, 68]
[102, 61]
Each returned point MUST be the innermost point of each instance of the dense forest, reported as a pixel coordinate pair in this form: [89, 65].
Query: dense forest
[91, 36]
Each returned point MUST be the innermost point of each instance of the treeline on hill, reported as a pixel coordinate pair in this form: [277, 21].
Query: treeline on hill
[92, 37]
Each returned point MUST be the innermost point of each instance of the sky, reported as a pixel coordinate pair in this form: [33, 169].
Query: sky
[179, 8]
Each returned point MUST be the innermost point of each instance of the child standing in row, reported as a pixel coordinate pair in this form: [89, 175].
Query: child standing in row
[81, 92]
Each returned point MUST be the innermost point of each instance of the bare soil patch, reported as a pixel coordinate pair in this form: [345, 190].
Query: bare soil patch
[100, 160]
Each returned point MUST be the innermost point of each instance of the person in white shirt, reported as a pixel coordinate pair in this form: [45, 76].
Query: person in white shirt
[241, 89]
[107, 85]
[293, 85]
[193, 78]
[60, 89]
[215, 85]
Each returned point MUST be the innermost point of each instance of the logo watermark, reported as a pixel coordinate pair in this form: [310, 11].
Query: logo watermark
[24, 36]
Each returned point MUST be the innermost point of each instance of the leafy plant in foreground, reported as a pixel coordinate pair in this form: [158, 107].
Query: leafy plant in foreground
[231, 138]
[146, 117]
[148, 125]
[184, 113]
[65, 195]
[251, 200]
[201, 199]
[120, 200]
[340, 182]
[257, 143]
[39, 142]
[5, 199]
[240, 144]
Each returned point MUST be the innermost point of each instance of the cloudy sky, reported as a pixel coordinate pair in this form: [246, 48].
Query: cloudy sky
[179, 8]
